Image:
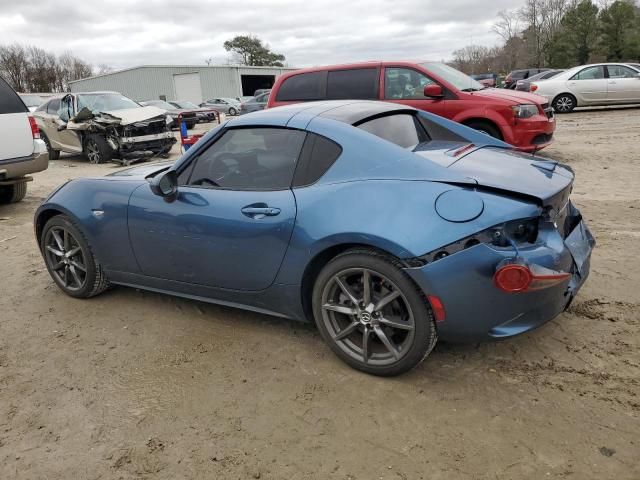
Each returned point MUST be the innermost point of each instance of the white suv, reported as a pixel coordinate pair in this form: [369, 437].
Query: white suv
[21, 150]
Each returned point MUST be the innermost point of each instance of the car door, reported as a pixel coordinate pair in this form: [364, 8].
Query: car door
[230, 224]
[589, 85]
[623, 84]
[406, 86]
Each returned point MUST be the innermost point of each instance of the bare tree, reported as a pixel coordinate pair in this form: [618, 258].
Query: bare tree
[13, 65]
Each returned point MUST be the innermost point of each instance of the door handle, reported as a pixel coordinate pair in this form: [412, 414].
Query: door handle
[260, 211]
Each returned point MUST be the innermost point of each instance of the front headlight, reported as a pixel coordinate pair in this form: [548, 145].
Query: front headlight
[525, 111]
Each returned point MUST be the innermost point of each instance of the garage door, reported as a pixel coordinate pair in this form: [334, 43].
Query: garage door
[187, 87]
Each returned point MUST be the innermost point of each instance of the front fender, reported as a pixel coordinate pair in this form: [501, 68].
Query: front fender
[99, 208]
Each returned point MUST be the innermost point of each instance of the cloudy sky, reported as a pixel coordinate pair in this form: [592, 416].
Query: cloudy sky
[123, 33]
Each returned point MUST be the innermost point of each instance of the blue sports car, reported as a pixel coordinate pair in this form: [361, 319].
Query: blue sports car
[388, 226]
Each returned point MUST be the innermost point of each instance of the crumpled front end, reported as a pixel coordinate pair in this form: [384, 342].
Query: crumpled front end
[463, 277]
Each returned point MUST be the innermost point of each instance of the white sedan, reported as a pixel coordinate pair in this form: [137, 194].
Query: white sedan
[591, 85]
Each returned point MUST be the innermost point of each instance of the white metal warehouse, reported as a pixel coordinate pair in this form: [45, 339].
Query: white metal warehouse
[194, 83]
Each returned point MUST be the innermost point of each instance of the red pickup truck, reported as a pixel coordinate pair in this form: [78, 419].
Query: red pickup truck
[522, 119]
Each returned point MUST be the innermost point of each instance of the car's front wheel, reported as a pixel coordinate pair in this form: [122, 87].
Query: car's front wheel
[371, 314]
[69, 259]
[564, 103]
[96, 149]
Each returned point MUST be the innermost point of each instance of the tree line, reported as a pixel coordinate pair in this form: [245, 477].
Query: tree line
[557, 34]
[33, 69]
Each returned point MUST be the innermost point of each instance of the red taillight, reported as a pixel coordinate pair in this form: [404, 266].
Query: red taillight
[533, 87]
[34, 127]
[515, 277]
[437, 307]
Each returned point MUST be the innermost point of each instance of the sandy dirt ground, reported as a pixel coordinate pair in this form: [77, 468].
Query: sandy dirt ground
[133, 384]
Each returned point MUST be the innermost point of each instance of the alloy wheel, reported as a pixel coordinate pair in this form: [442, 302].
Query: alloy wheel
[564, 104]
[367, 316]
[93, 152]
[65, 258]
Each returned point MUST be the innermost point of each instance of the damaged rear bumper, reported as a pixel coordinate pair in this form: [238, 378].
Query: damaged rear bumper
[477, 310]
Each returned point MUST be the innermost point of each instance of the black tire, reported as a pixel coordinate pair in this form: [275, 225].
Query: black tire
[564, 103]
[343, 331]
[92, 281]
[485, 127]
[53, 154]
[96, 149]
[233, 111]
[13, 193]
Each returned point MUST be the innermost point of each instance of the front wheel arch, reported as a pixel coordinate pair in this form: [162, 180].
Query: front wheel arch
[491, 127]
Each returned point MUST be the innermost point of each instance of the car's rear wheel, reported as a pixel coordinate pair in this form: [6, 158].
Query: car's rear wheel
[485, 127]
[53, 154]
[69, 259]
[96, 149]
[13, 193]
[564, 103]
[371, 314]
[233, 111]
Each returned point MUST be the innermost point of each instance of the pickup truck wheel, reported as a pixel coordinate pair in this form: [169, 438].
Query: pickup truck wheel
[53, 154]
[13, 193]
[96, 149]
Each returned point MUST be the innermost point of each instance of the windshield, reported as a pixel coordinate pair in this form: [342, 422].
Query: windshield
[104, 102]
[186, 105]
[160, 104]
[32, 100]
[455, 77]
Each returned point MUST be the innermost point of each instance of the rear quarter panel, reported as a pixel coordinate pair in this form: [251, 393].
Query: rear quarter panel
[16, 139]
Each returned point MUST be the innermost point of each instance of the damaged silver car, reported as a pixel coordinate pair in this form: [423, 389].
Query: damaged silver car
[104, 126]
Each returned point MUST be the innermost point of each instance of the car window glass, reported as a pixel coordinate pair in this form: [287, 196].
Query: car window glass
[249, 159]
[401, 129]
[405, 83]
[359, 83]
[53, 106]
[263, 98]
[618, 71]
[318, 154]
[305, 86]
[9, 100]
[590, 73]
[65, 111]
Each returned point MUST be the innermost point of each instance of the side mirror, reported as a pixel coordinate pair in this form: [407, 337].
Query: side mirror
[433, 90]
[165, 185]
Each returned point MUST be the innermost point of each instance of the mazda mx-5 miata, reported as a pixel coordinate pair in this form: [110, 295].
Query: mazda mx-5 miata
[388, 226]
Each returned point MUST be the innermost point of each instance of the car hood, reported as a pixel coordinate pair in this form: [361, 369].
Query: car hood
[513, 96]
[133, 115]
[141, 171]
[504, 171]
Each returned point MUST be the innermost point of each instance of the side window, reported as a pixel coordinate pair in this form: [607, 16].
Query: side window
[10, 102]
[590, 73]
[65, 111]
[262, 98]
[404, 83]
[318, 154]
[360, 83]
[249, 159]
[305, 86]
[53, 106]
[402, 129]
[619, 71]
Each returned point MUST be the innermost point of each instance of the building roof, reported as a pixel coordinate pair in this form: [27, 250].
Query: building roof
[181, 66]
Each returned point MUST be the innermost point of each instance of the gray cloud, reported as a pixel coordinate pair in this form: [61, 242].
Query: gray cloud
[124, 33]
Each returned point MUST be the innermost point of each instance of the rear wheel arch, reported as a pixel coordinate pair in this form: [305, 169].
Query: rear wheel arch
[323, 257]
